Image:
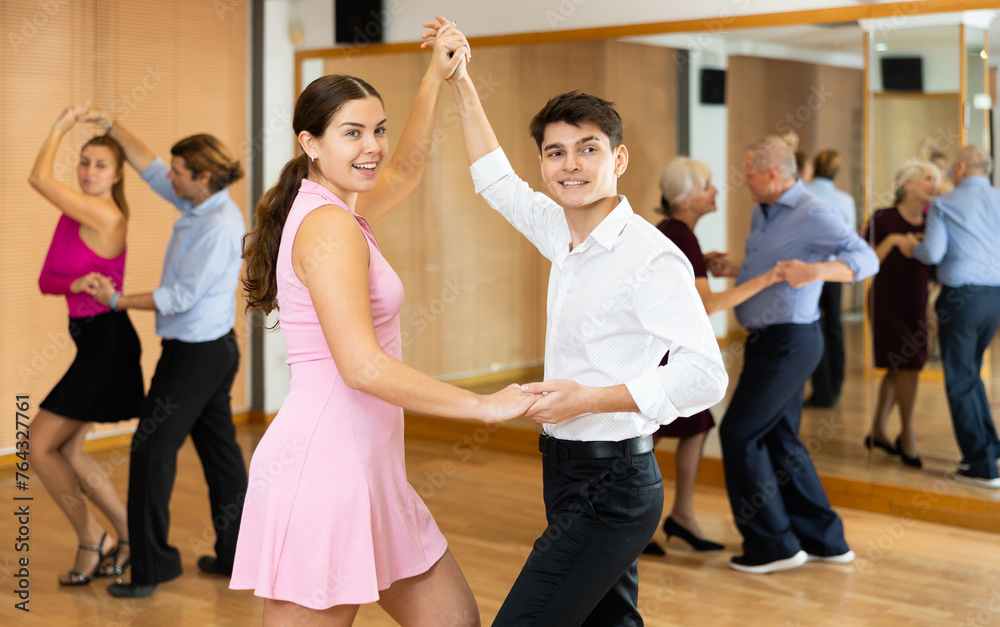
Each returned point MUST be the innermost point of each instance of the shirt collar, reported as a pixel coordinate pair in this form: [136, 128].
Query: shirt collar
[791, 196]
[216, 201]
[821, 182]
[977, 181]
[607, 232]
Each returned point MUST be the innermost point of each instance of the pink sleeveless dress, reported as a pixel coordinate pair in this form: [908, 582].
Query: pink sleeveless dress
[329, 517]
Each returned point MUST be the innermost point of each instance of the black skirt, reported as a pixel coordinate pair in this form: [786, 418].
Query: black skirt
[104, 382]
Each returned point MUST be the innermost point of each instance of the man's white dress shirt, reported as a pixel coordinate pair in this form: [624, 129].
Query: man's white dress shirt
[616, 304]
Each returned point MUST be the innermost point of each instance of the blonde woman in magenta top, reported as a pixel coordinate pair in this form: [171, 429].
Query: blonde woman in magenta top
[104, 382]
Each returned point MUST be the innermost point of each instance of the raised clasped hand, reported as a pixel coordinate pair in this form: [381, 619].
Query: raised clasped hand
[69, 117]
[451, 49]
[95, 116]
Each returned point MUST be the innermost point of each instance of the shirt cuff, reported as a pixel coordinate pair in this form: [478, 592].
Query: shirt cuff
[647, 392]
[851, 263]
[154, 168]
[489, 169]
[161, 298]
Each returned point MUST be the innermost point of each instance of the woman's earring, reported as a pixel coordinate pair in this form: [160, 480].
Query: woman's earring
[313, 157]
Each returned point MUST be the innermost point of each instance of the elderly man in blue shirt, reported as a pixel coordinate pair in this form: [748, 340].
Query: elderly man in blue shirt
[195, 307]
[777, 499]
[960, 236]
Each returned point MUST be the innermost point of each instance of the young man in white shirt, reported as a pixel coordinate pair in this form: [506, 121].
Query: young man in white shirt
[620, 297]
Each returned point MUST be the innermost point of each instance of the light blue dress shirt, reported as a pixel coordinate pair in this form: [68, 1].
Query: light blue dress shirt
[841, 201]
[797, 226]
[962, 235]
[196, 300]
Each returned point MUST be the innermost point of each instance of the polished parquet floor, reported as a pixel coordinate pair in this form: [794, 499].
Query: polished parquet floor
[489, 506]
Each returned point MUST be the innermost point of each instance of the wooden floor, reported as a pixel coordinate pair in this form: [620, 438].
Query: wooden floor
[490, 509]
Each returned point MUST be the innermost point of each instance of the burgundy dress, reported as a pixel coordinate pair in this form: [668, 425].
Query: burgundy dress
[685, 239]
[897, 300]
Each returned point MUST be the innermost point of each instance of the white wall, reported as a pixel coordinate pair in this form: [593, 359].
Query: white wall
[276, 142]
[708, 137]
[940, 64]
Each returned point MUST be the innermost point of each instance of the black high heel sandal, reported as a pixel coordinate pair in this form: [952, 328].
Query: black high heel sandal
[77, 578]
[915, 462]
[673, 528]
[112, 569]
[871, 441]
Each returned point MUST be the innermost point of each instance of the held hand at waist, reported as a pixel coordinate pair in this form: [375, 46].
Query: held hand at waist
[559, 400]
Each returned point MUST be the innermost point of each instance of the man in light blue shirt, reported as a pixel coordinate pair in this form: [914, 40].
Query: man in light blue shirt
[778, 502]
[961, 236]
[828, 378]
[195, 307]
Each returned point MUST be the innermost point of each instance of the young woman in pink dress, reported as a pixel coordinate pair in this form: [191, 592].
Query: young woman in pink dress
[330, 521]
[104, 382]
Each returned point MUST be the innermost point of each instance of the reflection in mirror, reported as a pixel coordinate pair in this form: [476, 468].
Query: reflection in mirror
[922, 83]
[805, 80]
[914, 81]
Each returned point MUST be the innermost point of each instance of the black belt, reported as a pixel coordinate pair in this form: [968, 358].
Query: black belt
[165, 341]
[574, 449]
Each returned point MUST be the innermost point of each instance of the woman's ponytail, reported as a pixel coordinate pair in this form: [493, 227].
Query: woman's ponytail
[260, 246]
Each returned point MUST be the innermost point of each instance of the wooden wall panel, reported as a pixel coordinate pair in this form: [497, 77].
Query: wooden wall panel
[164, 71]
[643, 80]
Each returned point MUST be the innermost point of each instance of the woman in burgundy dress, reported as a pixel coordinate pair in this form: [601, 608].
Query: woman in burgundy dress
[897, 306]
[687, 194]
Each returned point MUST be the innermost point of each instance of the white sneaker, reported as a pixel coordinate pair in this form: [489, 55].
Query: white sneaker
[741, 564]
[843, 558]
[962, 476]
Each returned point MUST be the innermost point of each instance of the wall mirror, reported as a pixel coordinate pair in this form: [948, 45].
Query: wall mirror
[807, 77]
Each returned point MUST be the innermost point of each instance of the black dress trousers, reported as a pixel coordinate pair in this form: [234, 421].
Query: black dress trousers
[189, 395]
[583, 570]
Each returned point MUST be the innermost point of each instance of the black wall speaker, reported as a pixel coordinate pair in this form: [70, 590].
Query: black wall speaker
[713, 86]
[359, 21]
[902, 74]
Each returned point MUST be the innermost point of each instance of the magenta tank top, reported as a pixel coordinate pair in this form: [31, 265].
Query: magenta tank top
[68, 259]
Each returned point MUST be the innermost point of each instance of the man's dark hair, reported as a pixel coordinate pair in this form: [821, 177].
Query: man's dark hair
[577, 108]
